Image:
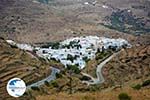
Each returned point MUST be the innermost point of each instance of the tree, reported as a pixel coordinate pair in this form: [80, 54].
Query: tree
[85, 59]
[73, 68]
[78, 46]
[70, 57]
[98, 50]
[55, 45]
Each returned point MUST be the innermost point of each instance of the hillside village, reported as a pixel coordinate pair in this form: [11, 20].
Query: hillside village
[75, 51]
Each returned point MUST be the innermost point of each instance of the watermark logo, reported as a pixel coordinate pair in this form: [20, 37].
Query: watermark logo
[16, 87]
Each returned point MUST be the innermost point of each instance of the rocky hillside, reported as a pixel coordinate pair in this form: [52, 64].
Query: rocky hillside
[25, 20]
[33, 22]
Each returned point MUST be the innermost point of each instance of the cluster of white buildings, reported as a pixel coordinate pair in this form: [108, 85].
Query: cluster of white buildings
[26, 47]
[87, 48]
[92, 3]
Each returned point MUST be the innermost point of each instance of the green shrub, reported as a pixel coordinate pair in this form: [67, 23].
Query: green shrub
[94, 88]
[58, 75]
[146, 83]
[56, 45]
[124, 96]
[54, 84]
[13, 46]
[53, 45]
[86, 59]
[41, 59]
[85, 78]
[46, 83]
[137, 87]
[34, 50]
[35, 88]
[101, 55]
[73, 68]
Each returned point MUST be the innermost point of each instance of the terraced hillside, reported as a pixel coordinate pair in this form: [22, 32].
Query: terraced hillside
[131, 64]
[17, 63]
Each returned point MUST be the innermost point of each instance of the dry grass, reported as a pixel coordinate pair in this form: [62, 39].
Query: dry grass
[143, 94]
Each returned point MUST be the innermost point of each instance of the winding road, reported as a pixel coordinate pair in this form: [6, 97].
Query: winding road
[48, 79]
[100, 78]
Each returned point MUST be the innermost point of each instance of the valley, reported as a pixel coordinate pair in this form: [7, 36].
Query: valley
[76, 49]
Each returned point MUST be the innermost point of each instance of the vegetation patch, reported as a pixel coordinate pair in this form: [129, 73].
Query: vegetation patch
[124, 96]
[102, 55]
[53, 45]
[125, 21]
[146, 83]
[47, 83]
[59, 75]
[137, 87]
[94, 88]
[35, 88]
[73, 68]
[54, 84]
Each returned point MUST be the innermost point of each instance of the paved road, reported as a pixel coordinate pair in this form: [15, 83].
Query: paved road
[48, 79]
[100, 78]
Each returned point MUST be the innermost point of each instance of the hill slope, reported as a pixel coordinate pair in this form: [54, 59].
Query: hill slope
[131, 64]
[130, 68]
[31, 22]
[17, 63]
